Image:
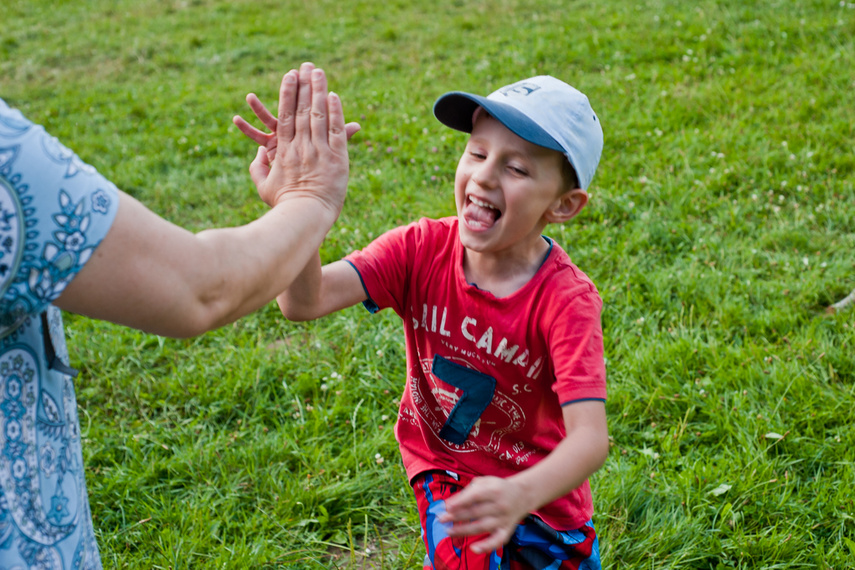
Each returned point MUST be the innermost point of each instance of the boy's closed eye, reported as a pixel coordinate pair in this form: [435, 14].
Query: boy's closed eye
[516, 169]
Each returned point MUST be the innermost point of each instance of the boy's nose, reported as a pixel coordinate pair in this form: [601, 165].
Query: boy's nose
[485, 175]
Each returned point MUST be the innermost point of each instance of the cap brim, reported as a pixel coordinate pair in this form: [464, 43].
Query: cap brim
[455, 110]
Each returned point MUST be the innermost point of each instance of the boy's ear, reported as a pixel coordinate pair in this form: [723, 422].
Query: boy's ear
[566, 206]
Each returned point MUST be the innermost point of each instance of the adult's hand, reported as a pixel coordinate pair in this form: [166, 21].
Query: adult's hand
[306, 151]
[150, 274]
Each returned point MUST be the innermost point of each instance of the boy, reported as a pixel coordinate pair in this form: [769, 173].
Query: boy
[503, 418]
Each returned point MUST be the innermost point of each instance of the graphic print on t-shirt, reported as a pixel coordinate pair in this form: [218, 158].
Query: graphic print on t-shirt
[492, 415]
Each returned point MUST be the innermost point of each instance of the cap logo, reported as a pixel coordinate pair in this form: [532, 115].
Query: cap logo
[521, 88]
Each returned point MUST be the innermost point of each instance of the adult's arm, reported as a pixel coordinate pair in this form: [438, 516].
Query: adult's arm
[153, 275]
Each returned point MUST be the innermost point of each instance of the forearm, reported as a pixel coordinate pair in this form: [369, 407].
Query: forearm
[299, 302]
[495, 506]
[264, 258]
[155, 276]
[575, 459]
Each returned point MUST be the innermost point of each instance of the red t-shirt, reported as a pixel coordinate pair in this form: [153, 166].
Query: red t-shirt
[487, 376]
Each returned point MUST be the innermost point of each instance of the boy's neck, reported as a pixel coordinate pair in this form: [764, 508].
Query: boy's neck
[503, 274]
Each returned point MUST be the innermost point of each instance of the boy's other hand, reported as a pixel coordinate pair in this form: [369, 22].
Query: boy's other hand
[306, 154]
[488, 505]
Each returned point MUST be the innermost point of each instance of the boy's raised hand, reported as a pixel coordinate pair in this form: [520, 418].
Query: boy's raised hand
[306, 152]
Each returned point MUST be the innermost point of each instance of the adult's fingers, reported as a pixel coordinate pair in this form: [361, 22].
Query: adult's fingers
[259, 168]
[337, 129]
[285, 126]
[319, 115]
[304, 100]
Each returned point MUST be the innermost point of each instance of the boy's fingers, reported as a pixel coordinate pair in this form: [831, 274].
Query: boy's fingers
[319, 115]
[351, 129]
[489, 544]
[263, 114]
[256, 135]
[287, 108]
[489, 526]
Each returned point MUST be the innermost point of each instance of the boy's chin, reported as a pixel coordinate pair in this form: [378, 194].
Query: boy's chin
[473, 241]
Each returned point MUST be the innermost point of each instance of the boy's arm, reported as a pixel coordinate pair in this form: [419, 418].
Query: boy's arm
[319, 291]
[495, 506]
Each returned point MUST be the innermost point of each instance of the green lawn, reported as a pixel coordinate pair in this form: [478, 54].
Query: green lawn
[721, 225]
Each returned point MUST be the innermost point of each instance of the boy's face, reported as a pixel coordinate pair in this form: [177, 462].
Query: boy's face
[503, 188]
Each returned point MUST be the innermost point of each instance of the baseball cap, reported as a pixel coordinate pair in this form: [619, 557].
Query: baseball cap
[542, 110]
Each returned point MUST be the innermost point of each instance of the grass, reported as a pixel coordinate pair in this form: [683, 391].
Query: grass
[721, 225]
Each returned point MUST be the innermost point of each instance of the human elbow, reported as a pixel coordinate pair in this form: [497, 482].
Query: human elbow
[603, 445]
[194, 322]
[204, 312]
[294, 311]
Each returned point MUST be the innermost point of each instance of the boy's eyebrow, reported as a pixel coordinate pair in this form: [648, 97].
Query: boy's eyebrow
[524, 151]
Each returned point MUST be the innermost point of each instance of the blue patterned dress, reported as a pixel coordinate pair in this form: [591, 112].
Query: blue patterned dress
[54, 211]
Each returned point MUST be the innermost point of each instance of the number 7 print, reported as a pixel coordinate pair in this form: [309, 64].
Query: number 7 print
[477, 388]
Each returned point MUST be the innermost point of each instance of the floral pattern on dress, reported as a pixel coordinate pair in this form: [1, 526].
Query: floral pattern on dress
[54, 211]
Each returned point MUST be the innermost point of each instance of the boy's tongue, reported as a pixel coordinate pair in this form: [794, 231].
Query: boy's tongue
[479, 216]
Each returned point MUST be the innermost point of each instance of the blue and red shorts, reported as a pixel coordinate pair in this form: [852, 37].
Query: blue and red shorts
[533, 546]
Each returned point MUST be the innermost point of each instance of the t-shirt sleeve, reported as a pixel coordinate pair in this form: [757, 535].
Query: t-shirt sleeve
[385, 266]
[54, 211]
[576, 341]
